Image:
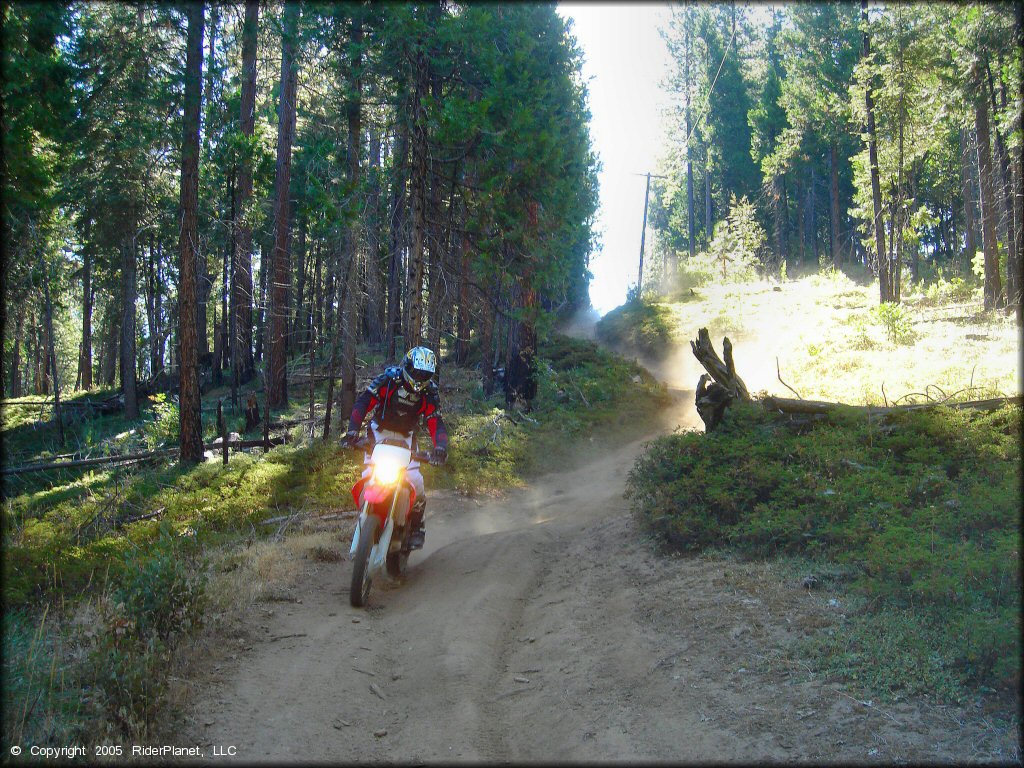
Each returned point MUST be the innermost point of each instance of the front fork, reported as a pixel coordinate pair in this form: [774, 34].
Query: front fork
[380, 549]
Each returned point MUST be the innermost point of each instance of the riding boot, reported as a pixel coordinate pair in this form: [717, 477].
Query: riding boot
[417, 532]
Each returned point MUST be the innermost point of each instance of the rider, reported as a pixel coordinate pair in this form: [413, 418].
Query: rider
[398, 399]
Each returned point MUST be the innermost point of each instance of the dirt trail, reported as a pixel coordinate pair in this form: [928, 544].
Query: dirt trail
[543, 626]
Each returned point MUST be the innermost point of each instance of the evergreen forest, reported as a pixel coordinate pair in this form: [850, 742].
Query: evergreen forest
[887, 137]
[198, 194]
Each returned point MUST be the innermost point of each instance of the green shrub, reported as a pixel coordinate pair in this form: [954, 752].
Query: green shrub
[162, 592]
[159, 601]
[643, 326]
[925, 510]
[896, 322]
[164, 427]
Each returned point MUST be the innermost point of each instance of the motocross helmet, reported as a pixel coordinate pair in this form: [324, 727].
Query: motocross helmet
[418, 368]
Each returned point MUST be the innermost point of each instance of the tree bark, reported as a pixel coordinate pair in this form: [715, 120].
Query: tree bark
[296, 319]
[376, 304]
[190, 418]
[86, 356]
[833, 153]
[151, 319]
[129, 275]
[723, 372]
[993, 290]
[800, 225]
[315, 307]
[1017, 297]
[1006, 189]
[414, 290]
[884, 280]
[488, 311]
[968, 195]
[19, 328]
[709, 230]
[394, 323]
[351, 313]
[242, 363]
[279, 280]
[691, 224]
[521, 364]
[53, 360]
[437, 296]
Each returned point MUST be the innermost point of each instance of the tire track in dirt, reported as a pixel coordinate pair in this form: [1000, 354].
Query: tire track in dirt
[620, 653]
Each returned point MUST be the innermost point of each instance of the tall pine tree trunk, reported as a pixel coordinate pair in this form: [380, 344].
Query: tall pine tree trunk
[833, 153]
[801, 224]
[1017, 166]
[967, 190]
[691, 224]
[993, 290]
[414, 288]
[488, 310]
[462, 329]
[242, 363]
[351, 313]
[884, 272]
[129, 274]
[1006, 196]
[19, 329]
[151, 321]
[375, 301]
[709, 230]
[294, 334]
[52, 359]
[277, 387]
[315, 306]
[86, 363]
[190, 417]
[397, 228]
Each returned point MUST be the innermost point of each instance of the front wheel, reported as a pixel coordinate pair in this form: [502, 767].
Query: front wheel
[359, 590]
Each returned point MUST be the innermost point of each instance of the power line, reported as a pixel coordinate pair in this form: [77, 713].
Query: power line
[707, 100]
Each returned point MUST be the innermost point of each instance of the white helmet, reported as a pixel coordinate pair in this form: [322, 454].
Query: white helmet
[418, 368]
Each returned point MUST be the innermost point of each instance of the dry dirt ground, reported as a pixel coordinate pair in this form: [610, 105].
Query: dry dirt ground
[544, 626]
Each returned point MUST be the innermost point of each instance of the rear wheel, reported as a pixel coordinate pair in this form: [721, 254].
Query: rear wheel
[359, 590]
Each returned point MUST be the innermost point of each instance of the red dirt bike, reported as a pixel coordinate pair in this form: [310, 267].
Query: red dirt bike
[381, 538]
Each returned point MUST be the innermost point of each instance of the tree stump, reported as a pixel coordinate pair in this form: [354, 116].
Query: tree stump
[726, 386]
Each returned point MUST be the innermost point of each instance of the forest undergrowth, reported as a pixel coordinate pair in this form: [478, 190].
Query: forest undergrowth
[912, 522]
[100, 615]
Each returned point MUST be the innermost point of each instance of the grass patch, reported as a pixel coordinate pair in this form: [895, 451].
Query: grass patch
[923, 508]
[96, 670]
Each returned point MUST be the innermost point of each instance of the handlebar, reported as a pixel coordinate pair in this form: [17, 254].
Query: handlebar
[365, 445]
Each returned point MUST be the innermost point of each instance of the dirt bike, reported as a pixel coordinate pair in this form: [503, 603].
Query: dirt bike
[385, 498]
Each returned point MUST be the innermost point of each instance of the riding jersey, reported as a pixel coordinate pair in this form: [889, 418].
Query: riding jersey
[396, 409]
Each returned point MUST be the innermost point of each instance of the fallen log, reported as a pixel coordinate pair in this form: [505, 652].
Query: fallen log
[130, 457]
[789, 405]
[134, 457]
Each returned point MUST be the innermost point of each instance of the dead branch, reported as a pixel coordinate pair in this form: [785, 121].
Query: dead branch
[778, 373]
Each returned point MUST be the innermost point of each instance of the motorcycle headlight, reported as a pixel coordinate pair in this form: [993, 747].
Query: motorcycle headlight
[387, 471]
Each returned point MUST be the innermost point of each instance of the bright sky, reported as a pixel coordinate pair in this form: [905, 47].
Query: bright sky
[625, 63]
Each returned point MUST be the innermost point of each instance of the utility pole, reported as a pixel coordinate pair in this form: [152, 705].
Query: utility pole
[643, 231]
